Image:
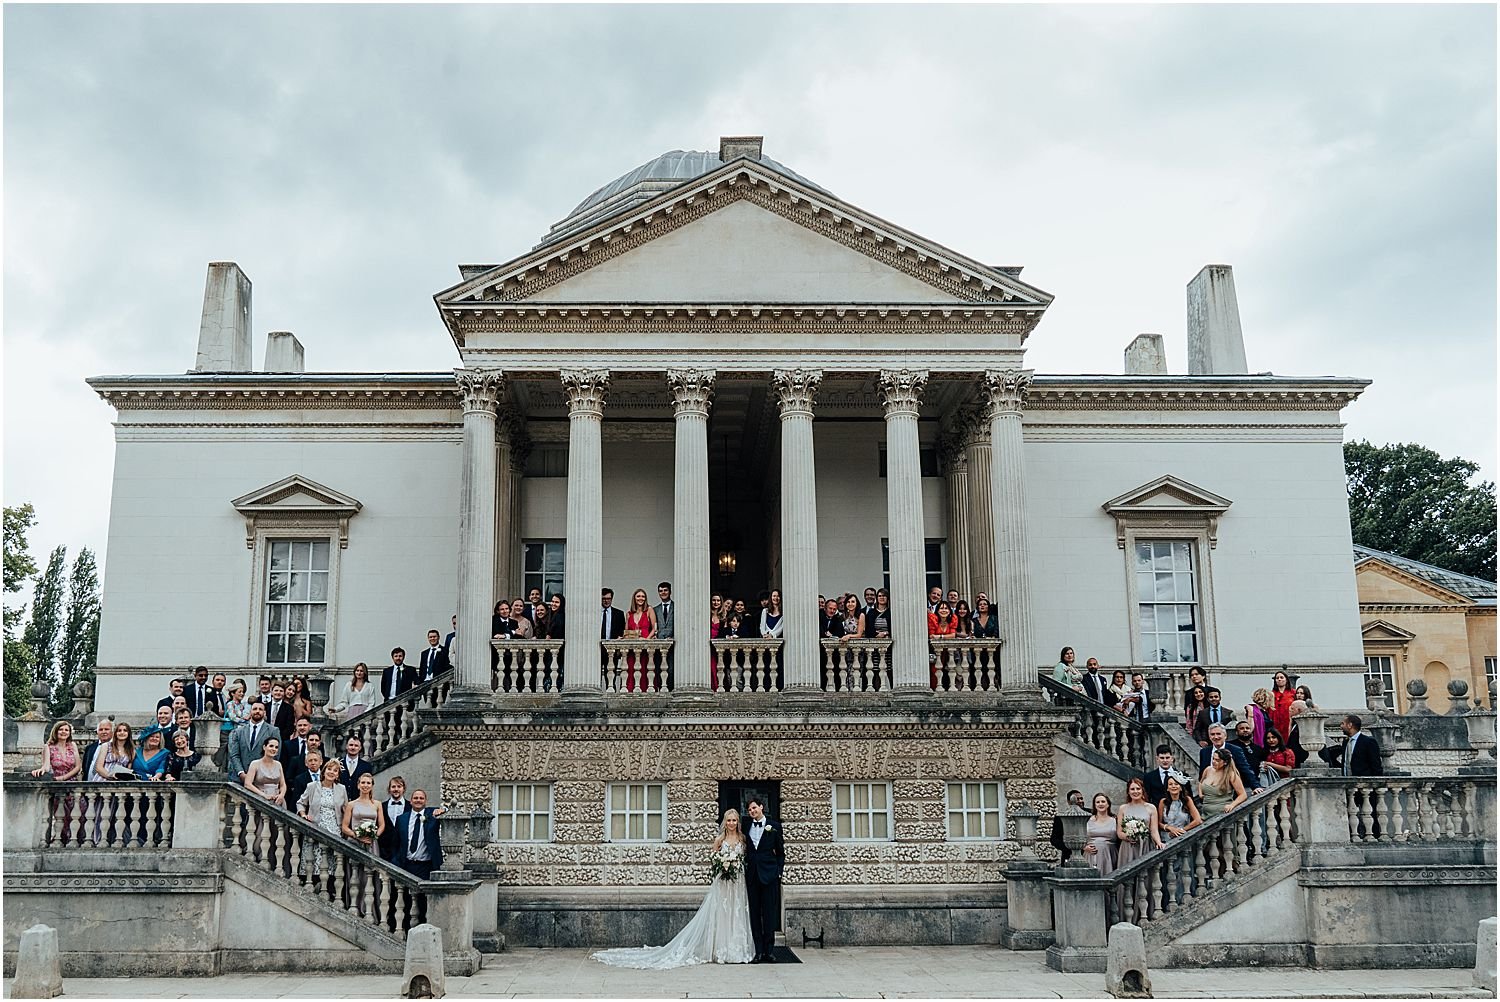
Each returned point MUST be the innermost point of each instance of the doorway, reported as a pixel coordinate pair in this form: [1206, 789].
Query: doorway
[737, 792]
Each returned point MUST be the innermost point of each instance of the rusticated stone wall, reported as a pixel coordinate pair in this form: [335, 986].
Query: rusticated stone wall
[690, 756]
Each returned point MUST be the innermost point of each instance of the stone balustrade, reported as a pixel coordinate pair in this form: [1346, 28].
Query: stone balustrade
[526, 667]
[114, 815]
[394, 724]
[1099, 727]
[856, 665]
[967, 664]
[1390, 809]
[741, 664]
[636, 666]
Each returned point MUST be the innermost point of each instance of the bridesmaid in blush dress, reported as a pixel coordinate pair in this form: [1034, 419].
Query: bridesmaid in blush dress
[1103, 836]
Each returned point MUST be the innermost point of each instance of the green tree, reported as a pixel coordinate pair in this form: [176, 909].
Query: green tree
[19, 566]
[45, 628]
[80, 639]
[1408, 500]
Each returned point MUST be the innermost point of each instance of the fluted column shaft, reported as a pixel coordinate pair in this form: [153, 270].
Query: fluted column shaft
[505, 514]
[981, 510]
[518, 452]
[692, 391]
[1007, 396]
[481, 389]
[583, 561]
[956, 472]
[801, 655]
[901, 395]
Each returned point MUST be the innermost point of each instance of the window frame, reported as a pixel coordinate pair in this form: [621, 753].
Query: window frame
[941, 542]
[852, 812]
[550, 812]
[610, 811]
[526, 584]
[1199, 541]
[1385, 677]
[260, 561]
[967, 812]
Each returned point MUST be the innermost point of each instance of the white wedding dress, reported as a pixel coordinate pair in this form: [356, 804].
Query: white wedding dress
[718, 934]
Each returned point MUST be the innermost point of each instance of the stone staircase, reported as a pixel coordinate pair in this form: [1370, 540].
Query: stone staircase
[392, 731]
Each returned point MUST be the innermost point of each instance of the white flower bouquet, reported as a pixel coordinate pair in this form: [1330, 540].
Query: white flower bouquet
[366, 830]
[726, 864]
[1136, 830]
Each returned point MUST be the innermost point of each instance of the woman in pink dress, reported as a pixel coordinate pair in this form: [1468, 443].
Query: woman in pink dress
[640, 622]
[715, 610]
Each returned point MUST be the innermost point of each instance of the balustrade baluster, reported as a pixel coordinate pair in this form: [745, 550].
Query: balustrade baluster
[1199, 883]
[1367, 812]
[1447, 811]
[1467, 820]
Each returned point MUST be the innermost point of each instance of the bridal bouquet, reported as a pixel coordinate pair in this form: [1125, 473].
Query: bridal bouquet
[366, 830]
[1136, 830]
[726, 864]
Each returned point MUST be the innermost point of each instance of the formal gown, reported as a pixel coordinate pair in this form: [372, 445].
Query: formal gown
[1105, 840]
[642, 623]
[718, 933]
[1215, 799]
[1132, 851]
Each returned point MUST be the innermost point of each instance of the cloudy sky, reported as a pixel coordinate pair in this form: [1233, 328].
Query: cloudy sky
[1341, 158]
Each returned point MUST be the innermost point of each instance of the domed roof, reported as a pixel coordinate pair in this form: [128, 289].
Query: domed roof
[645, 182]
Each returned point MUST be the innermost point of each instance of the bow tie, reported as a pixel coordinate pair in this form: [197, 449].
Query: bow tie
[756, 824]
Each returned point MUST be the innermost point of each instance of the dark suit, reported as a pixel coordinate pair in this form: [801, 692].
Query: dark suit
[1206, 718]
[434, 662]
[448, 645]
[1057, 840]
[395, 681]
[616, 628]
[297, 783]
[1096, 687]
[1247, 775]
[283, 717]
[293, 754]
[763, 865]
[386, 843]
[1156, 786]
[167, 701]
[421, 869]
[1365, 760]
[88, 759]
[351, 779]
[202, 699]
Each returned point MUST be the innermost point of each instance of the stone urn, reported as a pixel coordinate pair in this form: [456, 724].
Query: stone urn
[320, 690]
[1025, 817]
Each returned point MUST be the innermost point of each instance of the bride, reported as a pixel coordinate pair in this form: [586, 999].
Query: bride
[719, 933]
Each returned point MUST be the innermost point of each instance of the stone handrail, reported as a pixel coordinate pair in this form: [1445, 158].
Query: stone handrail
[636, 665]
[363, 886]
[1167, 880]
[113, 815]
[856, 665]
[1391, 809]
[967, 664]
[392, 725]
[741, 664]
[1097, 726]
[527, 666]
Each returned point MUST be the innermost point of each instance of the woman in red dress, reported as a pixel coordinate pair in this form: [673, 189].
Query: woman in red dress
[640, 621]
[940, 623]
[1282, 695]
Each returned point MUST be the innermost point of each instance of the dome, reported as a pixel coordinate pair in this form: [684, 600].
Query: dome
[645, 182]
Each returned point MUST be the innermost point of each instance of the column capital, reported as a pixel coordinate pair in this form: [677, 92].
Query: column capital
[953, 456]
[795, 389]
[692, 390]
[901, 391]
[482, 388]
[1006, 390]
[586, 390]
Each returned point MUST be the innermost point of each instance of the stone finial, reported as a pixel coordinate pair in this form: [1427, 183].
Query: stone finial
[1125, 973]
[224, 332]
[83, 699]
[1216, 345]
[39, 965]
[733, 147]
[1146, 356]
[283, 352]
[1458, 697]
[1074, 821]
[41, 695]
[1416, 699]
[422, 977]
[1025, 817]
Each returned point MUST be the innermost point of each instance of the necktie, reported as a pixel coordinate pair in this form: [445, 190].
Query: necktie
[254, 735]
[199, 691]
[416, 830]
[604, 626]
[1349, 753]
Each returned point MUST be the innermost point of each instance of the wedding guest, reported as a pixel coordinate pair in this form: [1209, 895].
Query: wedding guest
[735, 629]
[150, 758]
[180, 757]
[118, 758]
[1194, 703]
[1075, 798]
[1064, 672]
[964, 618]
[1178, 814]
[831, 622]
[1294, 739]
[362, 810]
[265, 775]
[354, 766]
[502, 627]
[1094, 686]
[164, 717]
[1213, 713]
[986, 626]
[236, 711]
[1244, 740]
[640, 622]
[1221, 788]
[183, 725]
[1258, 715]
[852, 624]
[953, 598]
[1282, 695]
[1121, 688]
[878, 617]
[771, 616]
[1280, 759]
[297, 696]
[1134, 846]
[539, 613]
[869, 600]
[394, 806]
[556, 621]
[521, 628]
[1197, 676]
[1218, 738]
[59, 758]
[1156, 779]
[298, 781]
[419, 849]
[940, 625]
[1305, 694]
[1104, 836]
[324, 803]
[103, 731]
[1136, 703]
[934, 596]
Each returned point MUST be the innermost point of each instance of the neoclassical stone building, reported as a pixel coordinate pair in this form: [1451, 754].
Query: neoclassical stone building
[715, 372]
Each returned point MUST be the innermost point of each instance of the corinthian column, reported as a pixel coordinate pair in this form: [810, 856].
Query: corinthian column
[801, 654]
[481, 389]
[956, 473]
[583, 561]
[692, 389]
[977, 454]
[505, 516]
[901, 394]
[1007, 396]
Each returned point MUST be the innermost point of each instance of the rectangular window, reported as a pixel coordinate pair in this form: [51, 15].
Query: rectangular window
[542, 566]
[932, 553]
[523, 812]
[861, 812]
[1489, 671]
[297, 601]
[637, 812]
[976, 810]
[546, 461]
[1167, 597]
[927, 459]
[1383, 667]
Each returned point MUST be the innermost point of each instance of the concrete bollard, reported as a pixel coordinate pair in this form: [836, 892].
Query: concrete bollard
[1125, 974]
[39, 967]
[1484, 957]
[422, 978]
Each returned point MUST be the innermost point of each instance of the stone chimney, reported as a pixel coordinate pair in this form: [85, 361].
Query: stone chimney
[733, 147]
[224, 334]
[1146, 356]
[1216, 345]
[283, 352]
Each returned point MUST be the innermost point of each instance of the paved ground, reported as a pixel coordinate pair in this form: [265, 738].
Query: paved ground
[847, 972]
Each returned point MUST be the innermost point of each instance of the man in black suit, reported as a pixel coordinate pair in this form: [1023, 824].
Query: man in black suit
[305, 775]
[611, 620]
[1156, 779]
[1094, 685]
[295, 748]
[394, 806]
[1244, 737]
[354, 766]
[279, 712]
[434, 659]
[1075, 798]
[264, 693]
[419, 848]
[396, 678]
[202, 697]
[1219, 738]
[103, 732]
[448, 641]
[176, 686]
[1214, 713]
[1358, 754]
[765, 856]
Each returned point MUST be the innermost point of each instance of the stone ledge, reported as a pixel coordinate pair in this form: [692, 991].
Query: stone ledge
[114, 883]
[1397, 876]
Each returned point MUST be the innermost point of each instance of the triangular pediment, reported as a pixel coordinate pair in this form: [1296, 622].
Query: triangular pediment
[744, 233]
[1168, 494]
[1379, 631]
[296, 495]
[1381, 583]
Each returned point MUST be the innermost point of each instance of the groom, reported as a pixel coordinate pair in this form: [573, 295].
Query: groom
[764, 858]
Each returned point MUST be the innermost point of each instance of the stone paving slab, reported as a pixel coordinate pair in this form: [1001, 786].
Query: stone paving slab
[839, 972]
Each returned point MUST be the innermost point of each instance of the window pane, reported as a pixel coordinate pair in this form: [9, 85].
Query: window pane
[543, 827]
[281, 556]
[553, 557]
[505, 798]
[654, 826]
[298, 591]
[296, 652]
[992, 796]
[992, 826]
[955, 826]
[533, 557]
[877, 796]
[616, 823]
[317, 587]
[503, 827]
[315, 648]
[840, 791]
[861, 797]
[1182, 553]
[320, 555]
[655, 795]
[841, 823]
[1164, 592]
[278, 587]
[1184, 617]
[276, 648]
[861, 826]
[881, 827]
[1142, 556]
[296, 620]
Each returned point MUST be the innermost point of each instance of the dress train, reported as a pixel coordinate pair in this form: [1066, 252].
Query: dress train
[719, 933]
